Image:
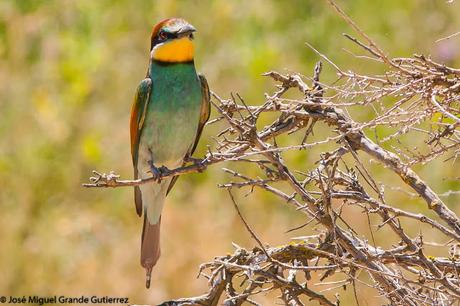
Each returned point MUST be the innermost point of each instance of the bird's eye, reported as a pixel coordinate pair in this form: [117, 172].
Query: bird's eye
[162, 35]
[191, 36]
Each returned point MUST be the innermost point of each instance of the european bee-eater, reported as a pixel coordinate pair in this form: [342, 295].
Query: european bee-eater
[170, 109]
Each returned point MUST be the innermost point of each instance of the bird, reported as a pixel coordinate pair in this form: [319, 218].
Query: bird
[170, 108]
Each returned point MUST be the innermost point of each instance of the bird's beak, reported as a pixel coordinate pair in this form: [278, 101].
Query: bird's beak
[185, 30]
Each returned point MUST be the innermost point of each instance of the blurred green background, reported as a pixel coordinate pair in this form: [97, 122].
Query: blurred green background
[68, 72]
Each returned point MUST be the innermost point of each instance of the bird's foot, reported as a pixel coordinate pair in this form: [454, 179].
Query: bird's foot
[197, 162]
[158, 173]
[189, 159]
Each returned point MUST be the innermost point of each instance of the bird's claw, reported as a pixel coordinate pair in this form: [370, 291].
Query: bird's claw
[164, 170]
[201, 167]
[197, 162]
[158, 173]
[189, 159]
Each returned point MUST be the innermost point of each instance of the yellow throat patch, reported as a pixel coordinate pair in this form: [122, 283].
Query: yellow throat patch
[178, 50]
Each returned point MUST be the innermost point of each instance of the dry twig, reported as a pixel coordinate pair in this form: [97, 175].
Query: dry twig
[425, 102]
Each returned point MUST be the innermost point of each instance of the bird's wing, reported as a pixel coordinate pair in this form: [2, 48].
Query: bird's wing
[204, 116]
[138, 111]
[205, 110]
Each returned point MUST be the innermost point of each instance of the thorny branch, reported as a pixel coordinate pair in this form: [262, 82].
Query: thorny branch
[415, 97]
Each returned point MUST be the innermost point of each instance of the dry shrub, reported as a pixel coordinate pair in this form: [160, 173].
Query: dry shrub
[413, 97]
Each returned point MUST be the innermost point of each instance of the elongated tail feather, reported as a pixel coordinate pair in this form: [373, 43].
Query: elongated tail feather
[138, 200]
[150, 247]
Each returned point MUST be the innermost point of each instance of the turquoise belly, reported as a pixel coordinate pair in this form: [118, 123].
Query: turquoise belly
[173, 113]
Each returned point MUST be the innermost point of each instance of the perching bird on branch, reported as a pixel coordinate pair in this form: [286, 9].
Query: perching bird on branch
[168, 114]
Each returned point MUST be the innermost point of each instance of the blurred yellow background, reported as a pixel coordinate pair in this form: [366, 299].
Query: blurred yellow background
[68, 72]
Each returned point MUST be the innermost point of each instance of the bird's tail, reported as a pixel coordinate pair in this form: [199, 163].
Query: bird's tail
[150, 247]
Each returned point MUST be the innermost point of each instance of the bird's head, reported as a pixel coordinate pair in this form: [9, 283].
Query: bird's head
[172, 41]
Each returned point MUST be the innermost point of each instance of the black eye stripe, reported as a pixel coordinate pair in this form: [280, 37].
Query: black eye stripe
[159, 38]
[166, 35]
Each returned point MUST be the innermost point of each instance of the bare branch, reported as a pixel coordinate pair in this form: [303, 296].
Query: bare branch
[414, 97]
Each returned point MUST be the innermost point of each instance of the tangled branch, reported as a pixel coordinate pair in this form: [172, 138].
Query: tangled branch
[414, 96]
